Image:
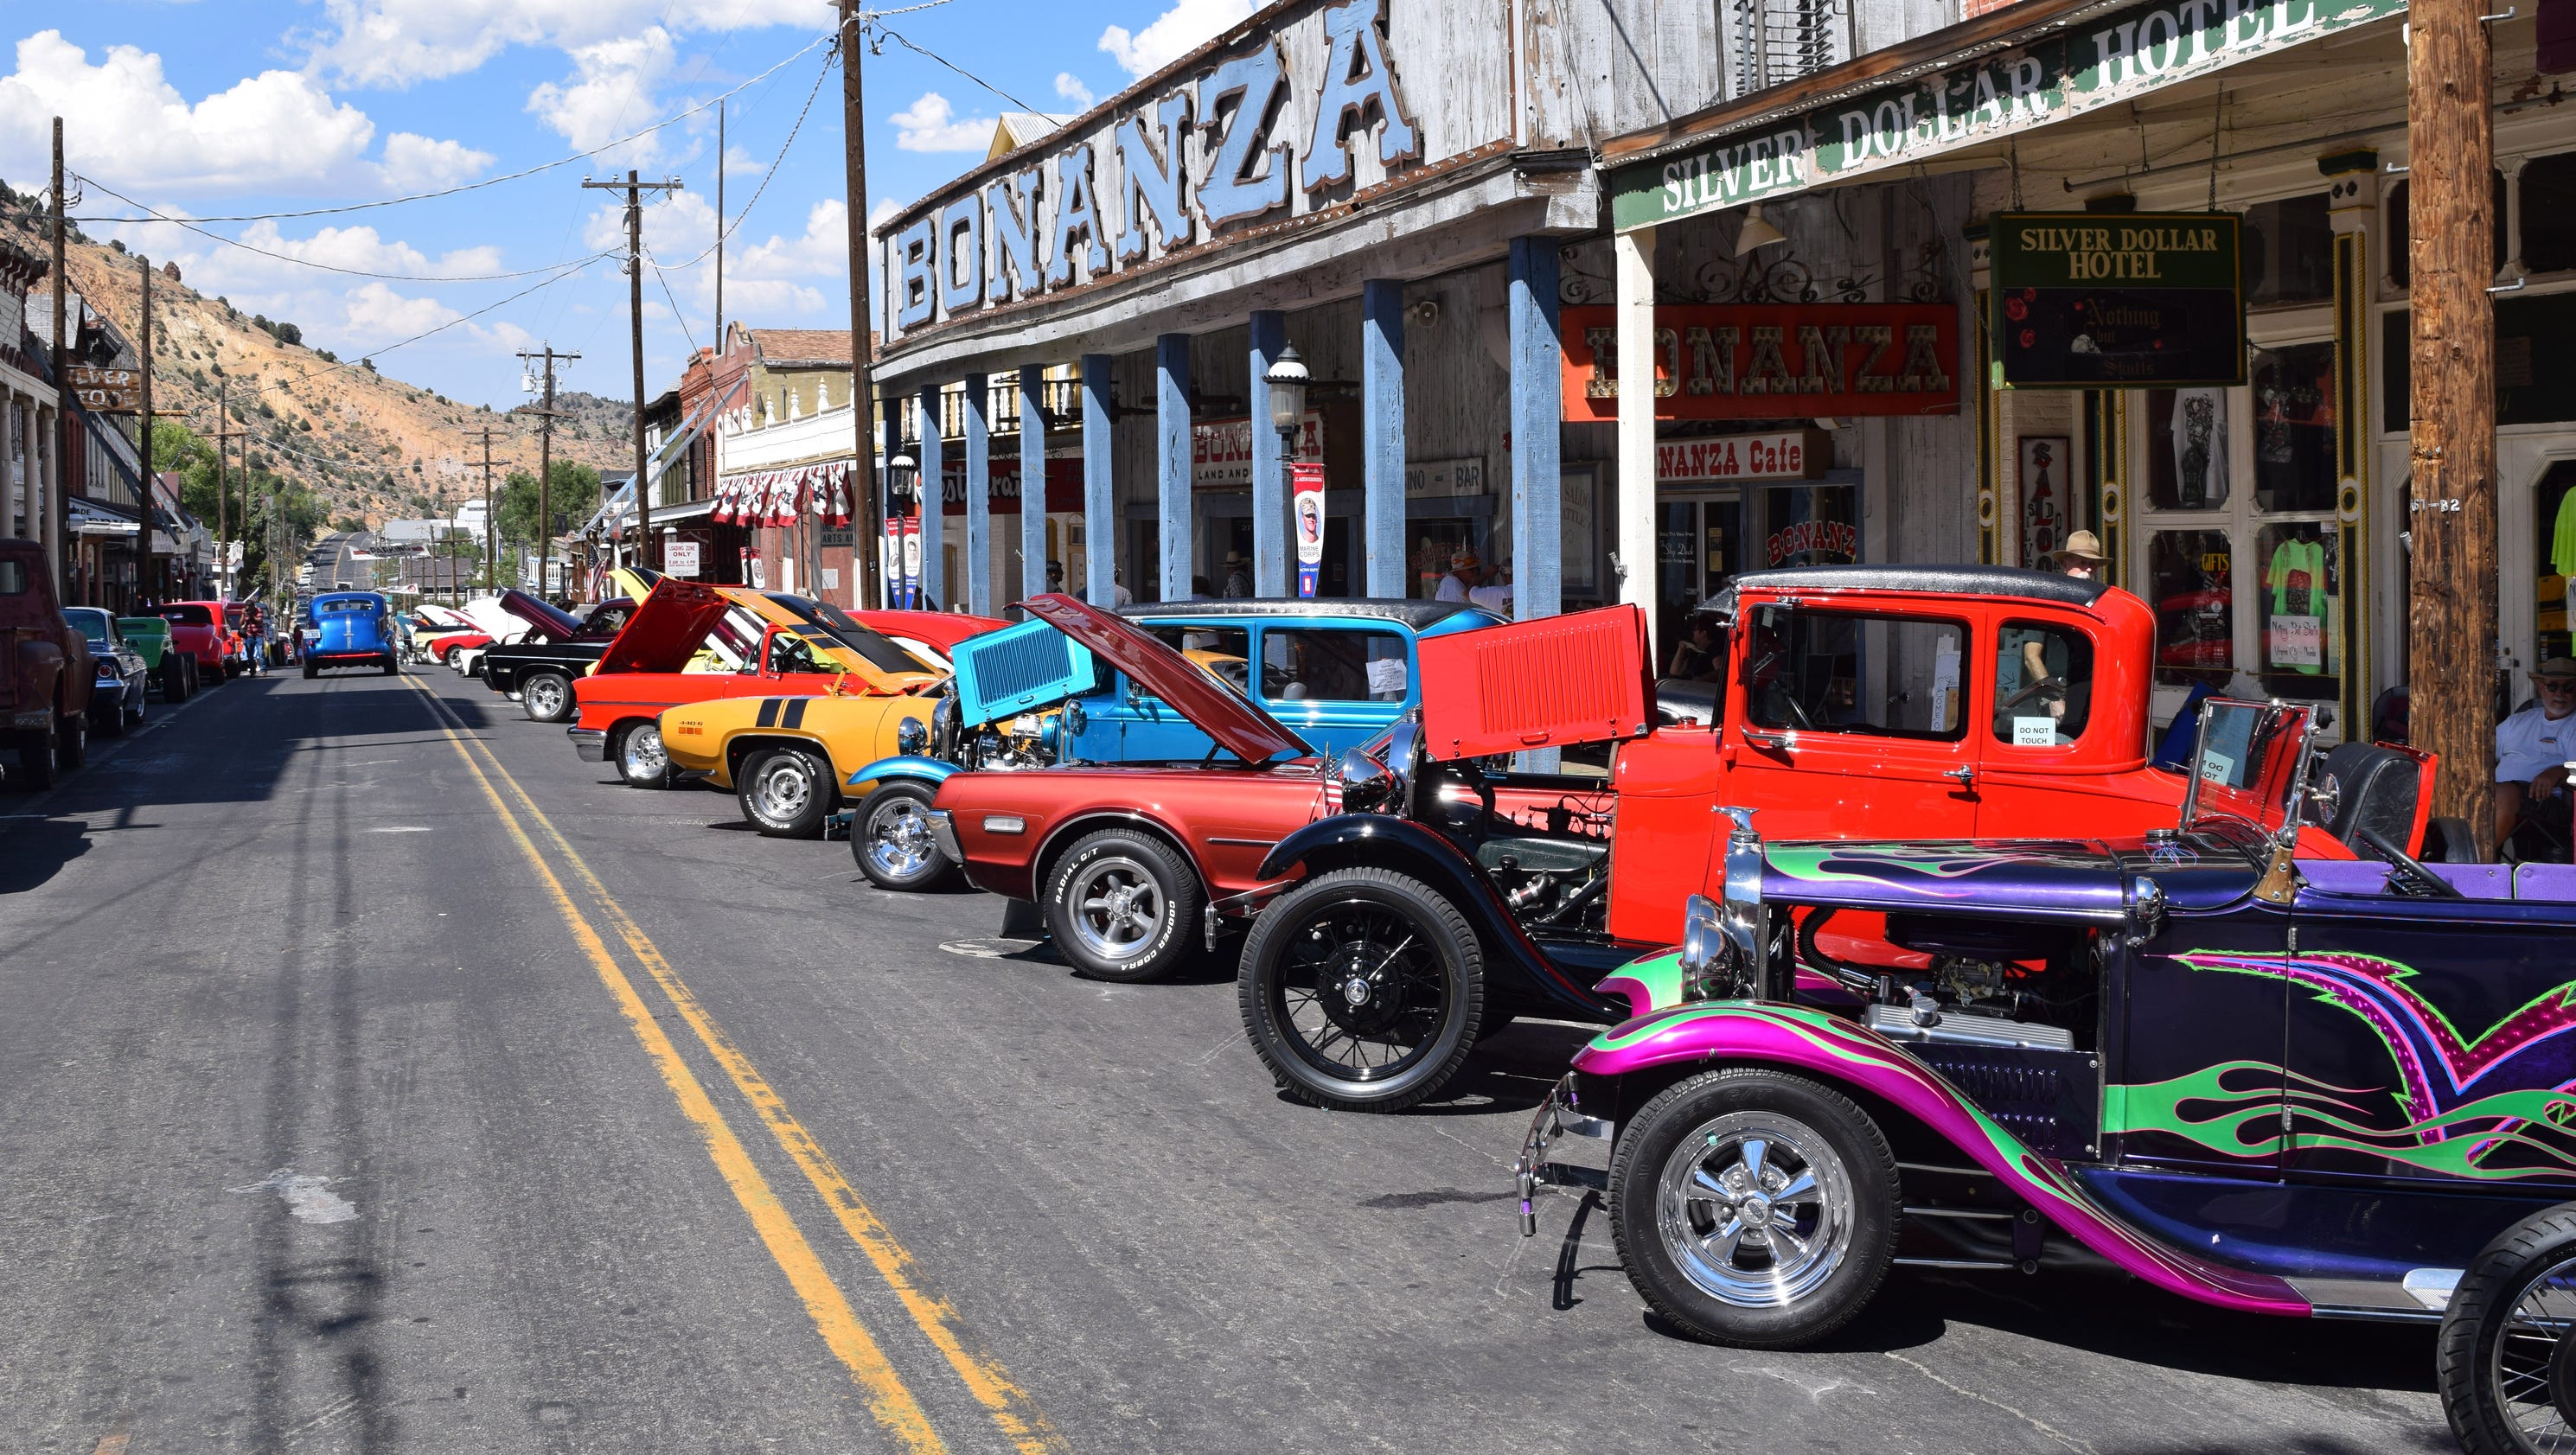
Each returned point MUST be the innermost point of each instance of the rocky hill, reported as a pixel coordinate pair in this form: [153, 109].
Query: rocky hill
[370, 445]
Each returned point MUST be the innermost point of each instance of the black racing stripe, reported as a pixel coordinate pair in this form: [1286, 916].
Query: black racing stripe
[769, 712]
[795, 712]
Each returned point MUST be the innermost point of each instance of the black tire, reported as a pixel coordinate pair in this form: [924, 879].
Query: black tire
[891, 840]
[1806, 1133]
[546, 697]
[174, 679]
[71, 740]
[142, 691]
[1362, 990]
[309, 671]
[2498, 1367]
[112, 725]
[637, 752]
[37, 770]
[1122, 906]
[392, 668]
[785, 792]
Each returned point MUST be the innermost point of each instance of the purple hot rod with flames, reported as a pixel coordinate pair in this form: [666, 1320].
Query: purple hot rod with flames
[2280, 1085]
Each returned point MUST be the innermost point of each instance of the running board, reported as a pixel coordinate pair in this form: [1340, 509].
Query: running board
[2420, 1297]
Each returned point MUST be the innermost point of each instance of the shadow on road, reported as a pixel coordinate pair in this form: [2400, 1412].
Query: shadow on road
[33, 851]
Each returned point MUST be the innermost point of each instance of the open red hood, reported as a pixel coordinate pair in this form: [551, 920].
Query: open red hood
[1585, 677]
[1223, 714]
[667, 630]
[545, 623]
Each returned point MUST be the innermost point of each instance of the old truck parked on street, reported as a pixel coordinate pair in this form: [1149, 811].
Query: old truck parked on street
[45, 670]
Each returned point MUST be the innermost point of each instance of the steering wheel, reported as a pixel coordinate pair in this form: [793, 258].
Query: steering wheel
[2024, 695]
[2407, 875]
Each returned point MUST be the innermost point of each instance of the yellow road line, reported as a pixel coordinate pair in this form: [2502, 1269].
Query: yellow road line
[983, 1374]
[888, 1399]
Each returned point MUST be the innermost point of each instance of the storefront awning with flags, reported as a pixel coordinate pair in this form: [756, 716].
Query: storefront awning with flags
[783, 497]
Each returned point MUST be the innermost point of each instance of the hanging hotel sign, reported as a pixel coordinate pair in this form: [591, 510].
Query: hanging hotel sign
[2109, 61]
[2093, 300]
[1773, 360]
[105, 391]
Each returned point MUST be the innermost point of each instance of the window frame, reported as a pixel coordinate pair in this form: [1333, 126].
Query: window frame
[1863, 665]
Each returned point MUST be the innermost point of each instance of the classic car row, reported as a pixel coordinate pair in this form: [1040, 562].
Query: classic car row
[1863, 1000]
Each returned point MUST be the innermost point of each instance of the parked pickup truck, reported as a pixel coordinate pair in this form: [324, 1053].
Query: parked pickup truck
[45, 670]
[558, 650]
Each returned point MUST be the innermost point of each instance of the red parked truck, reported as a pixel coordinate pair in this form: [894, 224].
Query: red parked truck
[45, 669]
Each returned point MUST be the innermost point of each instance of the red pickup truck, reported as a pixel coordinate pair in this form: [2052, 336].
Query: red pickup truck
[45, 670]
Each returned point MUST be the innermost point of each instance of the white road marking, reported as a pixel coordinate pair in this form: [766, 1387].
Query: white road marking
[309, 1199]
[402, 828]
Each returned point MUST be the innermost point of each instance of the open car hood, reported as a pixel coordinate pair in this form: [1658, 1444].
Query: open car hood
[2025, 878]
[1239, 727]
[1585, 677]
[666, 629]
[545, 623]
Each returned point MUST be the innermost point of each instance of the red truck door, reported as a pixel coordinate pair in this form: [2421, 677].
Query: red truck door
[1822, 750]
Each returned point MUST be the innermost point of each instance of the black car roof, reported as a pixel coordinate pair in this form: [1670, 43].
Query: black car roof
[1935, 580]
[1415, 614]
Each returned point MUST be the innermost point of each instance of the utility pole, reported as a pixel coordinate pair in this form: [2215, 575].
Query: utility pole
[58, 511]
[223, 495]
[546, 460]
[144, 575]
[720, 224]
[491, 523]
[645, 553]
[863, 459]
[2451, 628]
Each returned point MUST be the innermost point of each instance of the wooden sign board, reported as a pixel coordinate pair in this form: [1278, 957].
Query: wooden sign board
[2140, 300]
[105, 391]
[1773, 360]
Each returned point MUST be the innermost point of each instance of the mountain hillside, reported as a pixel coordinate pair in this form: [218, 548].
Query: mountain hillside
[369, 445]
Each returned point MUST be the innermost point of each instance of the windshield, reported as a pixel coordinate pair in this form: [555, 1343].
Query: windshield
[91, 621]
[188, 615]
[2246, 765]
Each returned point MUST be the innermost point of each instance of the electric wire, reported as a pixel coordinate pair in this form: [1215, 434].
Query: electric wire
[347, 272]
[724, 229]
[898, 38]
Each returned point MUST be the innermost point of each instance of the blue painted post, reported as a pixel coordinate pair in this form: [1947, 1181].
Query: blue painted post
[1033, 556]
[889, 549]
[1099, 494]
[1269, 463]
[1382, 432]
[979, 503]
[934, 502]
[1172, 459]
[1538, 537]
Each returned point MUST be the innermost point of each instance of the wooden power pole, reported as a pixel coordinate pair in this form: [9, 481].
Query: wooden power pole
[58, 510]
[2451, 627]
[146, 579]
[645, 553]
[863, 458]
[491, 522]
[546, 459]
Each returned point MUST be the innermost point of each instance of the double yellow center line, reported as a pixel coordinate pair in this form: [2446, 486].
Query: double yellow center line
[893, 1405]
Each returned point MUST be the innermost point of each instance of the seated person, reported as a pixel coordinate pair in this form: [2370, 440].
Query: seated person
[2533, 748]
[1697, 657]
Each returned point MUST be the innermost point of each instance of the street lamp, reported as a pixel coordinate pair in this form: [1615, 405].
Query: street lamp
[1287, 378]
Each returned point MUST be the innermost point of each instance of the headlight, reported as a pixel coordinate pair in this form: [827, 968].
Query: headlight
[911, 737]
[1708, 969]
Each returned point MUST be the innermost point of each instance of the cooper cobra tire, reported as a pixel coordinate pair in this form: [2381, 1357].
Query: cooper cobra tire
[1754, 1208]
[639, 756]
[1122, 906]
[785, 792]
[36, 768]
[891, 840]
[547, 697]
[2506, 1373]
[1362, 990]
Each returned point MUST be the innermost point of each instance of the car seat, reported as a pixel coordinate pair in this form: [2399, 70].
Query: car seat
[2378, 790]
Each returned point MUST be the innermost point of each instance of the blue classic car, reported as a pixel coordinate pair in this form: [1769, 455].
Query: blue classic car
[116, 698]
[351, 629]
[1336, 672]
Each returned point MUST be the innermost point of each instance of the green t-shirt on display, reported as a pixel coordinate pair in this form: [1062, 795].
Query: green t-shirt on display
[2297, 580]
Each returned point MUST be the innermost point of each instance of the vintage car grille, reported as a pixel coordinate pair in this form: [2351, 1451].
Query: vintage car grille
[1015, 664]
[2051, 1100]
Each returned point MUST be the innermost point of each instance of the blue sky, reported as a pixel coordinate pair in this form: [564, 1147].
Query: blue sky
[227, 107]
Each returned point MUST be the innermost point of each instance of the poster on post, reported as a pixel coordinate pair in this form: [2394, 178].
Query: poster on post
[1306, 494]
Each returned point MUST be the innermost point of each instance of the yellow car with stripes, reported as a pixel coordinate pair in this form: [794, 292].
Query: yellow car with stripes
[785, 758]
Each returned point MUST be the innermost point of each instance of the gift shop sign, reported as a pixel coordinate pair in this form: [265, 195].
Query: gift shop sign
[1773, 360]
[2110, 60]
[1795, 454]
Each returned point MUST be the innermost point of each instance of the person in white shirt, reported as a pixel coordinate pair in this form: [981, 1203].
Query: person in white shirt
[1496, 595]
[1462, 577]
[2533, 748]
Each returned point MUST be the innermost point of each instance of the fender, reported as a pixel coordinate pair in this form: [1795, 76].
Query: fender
[1382, 841]
[1833, 1050]
[911, 765]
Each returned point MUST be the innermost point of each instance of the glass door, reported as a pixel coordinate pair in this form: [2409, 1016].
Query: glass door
[1699, 545]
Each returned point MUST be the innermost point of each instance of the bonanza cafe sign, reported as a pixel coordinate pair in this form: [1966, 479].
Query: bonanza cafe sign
[1772, 360]
[2105, 62]
[1218, 149]
[1793, 454]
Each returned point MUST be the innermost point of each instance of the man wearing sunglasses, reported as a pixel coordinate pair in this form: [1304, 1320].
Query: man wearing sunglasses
[2533, 749]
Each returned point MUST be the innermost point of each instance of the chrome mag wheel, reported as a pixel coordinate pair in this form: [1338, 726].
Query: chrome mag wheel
[1755, 1209]
[1117, 908]
[545, 698]
[784, 786]
[899, 845]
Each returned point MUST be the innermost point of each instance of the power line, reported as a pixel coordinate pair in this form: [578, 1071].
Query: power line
[335, 268]
[897, 38]
[486, 182]
[725, 229]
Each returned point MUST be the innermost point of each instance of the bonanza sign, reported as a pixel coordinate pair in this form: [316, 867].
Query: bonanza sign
[2103, 62]
[2136, 300]
[1773, 360]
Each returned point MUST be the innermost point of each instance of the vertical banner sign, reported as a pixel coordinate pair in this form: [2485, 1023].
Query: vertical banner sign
[1306, 494]
[2142, 300]
[912, 564]
[890, 545]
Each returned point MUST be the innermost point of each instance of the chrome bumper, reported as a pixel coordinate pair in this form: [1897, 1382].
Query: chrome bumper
[1557, 1116]
[943, 832]
[590, 743]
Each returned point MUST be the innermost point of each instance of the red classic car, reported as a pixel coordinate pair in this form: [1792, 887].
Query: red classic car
[929, 635]
[1860, 700]
[197, 632]
[45, 670]
[691, 642]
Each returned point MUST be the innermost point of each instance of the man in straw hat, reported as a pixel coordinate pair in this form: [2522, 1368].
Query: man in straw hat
[2081, 557]
[1465, 573]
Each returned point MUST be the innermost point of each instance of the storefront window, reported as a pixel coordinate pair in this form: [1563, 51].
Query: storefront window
[2298, 621]
[2294, 444]
[2549, 213]
[1803, 669]
[1811, 525]
[1438, 546]
[2289, 251]
[2555, 498]
[2187, 584]
[2187, 459]
[2043, 685]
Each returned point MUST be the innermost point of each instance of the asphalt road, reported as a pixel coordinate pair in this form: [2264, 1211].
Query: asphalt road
[376, 1076]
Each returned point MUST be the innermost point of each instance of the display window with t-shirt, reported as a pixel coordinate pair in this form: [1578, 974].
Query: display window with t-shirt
[2554, 509]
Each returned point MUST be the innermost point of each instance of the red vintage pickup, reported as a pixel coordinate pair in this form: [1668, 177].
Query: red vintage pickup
[45, 670]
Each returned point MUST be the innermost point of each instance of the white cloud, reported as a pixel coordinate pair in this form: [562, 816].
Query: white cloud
[415, 163]
[886, 207]
[796, 278]
[612, 93]
[1069, 87]
[1173, 34]
[376, 311]
[397, 43]
[930, 125]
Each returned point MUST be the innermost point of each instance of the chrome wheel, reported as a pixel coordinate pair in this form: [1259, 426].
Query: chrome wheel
[643, 757]
[783, 787]
[1755, 1209]
[2534, 1370]
[545, 698]
[899, 845]
[1118, 908]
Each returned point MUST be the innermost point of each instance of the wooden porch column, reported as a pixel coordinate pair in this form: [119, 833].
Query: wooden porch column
[1382, 433]
[1633, 255]
[1172, 461]
[1033, 553]
[1269, 463]
[979, 506]
[1538, 405]
[933, 496]
[1099, 499]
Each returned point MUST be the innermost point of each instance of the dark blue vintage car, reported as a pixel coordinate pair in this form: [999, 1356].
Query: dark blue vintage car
[351, 629]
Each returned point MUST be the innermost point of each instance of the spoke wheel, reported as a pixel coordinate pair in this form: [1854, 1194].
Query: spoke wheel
[893, 844]
[2505, 1365]
[1121, 905]
[1362, 991]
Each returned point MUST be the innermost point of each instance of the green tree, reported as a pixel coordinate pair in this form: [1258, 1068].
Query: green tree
[572, 492]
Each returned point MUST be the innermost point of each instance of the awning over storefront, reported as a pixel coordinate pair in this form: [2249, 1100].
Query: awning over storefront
[98, 518]
[1971, 85]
